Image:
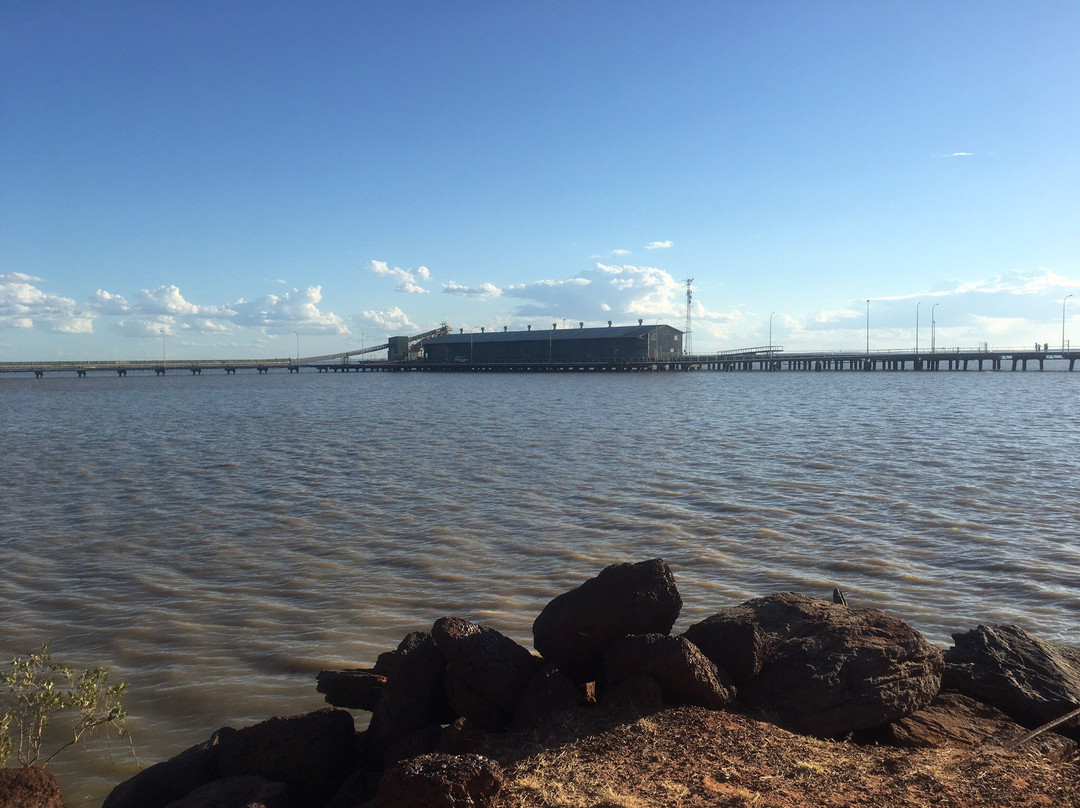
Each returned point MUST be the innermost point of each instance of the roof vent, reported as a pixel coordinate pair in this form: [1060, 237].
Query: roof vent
[554, 326]
[528, 328]
[504, 329]
[581, 325]
[461, 330]
[481, 329]
[639, 322]
[609, 323]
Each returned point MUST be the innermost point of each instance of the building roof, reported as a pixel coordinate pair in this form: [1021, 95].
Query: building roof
[603, 332]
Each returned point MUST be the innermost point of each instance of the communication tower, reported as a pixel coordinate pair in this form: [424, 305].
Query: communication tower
[688, 341]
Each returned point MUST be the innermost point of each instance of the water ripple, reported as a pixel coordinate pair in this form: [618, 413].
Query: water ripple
[217, 540]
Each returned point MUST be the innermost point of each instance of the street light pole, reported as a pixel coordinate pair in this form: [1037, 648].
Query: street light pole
[163, 364]
[771, 313]
[868, 326]
[933, 329]
[297, 335]
[1063, 323]
[917, 326]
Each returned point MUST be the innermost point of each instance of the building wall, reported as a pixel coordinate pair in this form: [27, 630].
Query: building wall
[397, 349]
[593, 345]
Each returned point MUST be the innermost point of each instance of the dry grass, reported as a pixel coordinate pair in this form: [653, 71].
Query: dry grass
[692, 758]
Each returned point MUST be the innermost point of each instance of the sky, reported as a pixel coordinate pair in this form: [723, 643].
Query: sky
[257, 179]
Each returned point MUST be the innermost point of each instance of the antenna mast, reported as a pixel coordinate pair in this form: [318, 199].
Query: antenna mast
[688, 340]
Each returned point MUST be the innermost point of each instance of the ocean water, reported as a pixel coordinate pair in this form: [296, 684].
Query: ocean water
[218, 540]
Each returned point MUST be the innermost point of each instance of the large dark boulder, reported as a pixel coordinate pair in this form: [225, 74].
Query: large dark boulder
[573, 631]
[734, 640]
[685, 675]
[237, 792]
[549, 696]
[822, 668]
[169, 780]
[29, 787]
[1032, 680]
[952, 719]
[441, 781]
[486, 672]
[353, 689]
[634, 696]
[357, 791]
[311, 753]
[413, 697]
[949, 720]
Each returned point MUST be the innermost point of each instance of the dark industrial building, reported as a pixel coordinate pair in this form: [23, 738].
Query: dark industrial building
[611, 344]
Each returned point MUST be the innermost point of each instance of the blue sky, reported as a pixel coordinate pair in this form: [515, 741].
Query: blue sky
[238, 175]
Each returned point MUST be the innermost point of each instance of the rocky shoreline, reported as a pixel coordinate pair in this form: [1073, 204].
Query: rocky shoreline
[605, 655]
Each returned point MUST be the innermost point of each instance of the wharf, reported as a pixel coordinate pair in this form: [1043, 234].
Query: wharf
[770, 358]
[773, 358]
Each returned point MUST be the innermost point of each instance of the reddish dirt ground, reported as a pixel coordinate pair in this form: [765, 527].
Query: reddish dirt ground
[694, 757]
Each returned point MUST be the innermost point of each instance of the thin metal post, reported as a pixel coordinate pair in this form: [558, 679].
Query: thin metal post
[1063, 323]
[868, 326]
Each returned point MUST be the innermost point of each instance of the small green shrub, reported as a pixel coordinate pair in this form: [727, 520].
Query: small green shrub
[39, 689]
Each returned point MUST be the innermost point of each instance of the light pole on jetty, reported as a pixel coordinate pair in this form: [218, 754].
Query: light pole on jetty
[867, 326]
[917, 326]
[297, 335]
[1063, 323]
[933, 329]
[771, 313]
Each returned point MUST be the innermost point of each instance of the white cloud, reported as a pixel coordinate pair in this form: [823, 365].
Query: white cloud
[620, 253]
[105, 303]
[295, 310]
[146, 327]
[23, 305]
[19, 277]
[406, 278]
[659, 245]
[164, 300]
[998, 327]
[826, 317]
[483, 290]
[1014, 309]
[393, 321]
[75, 325]
[1008, 287]
[207, 327]
[596, 294]
[962, 154]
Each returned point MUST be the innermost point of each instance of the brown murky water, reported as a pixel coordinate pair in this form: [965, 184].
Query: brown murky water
[217, 540]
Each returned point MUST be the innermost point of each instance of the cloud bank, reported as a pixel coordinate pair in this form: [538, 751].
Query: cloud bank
[406, 278]
[151, 312]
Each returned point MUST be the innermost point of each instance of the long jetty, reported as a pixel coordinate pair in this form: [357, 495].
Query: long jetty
[765, 358]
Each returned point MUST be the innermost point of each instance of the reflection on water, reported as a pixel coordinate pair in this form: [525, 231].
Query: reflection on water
[217, 540]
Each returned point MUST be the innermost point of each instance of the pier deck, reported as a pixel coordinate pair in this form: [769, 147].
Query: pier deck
[748, 359]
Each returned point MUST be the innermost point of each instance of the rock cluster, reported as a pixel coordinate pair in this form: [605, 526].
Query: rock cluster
[814, 666]
[29, 787]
